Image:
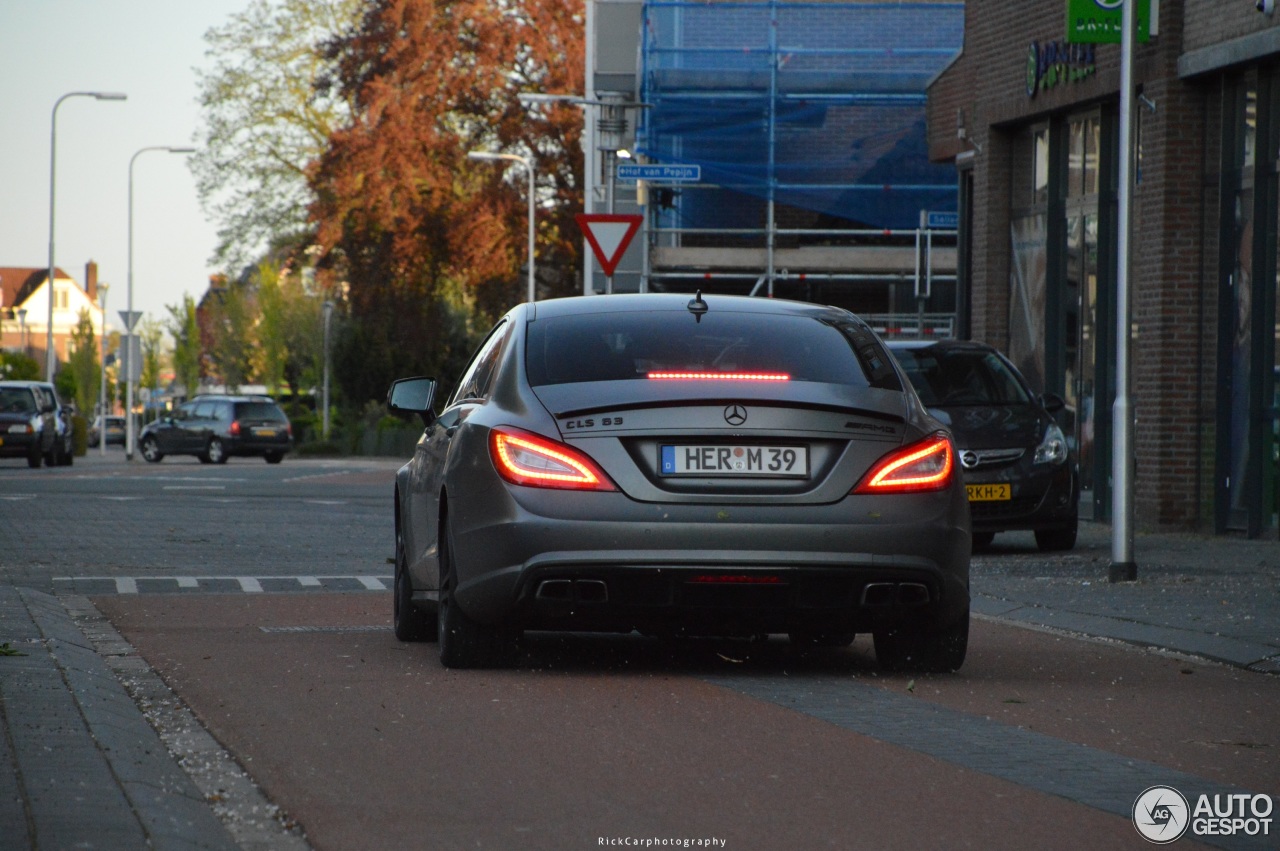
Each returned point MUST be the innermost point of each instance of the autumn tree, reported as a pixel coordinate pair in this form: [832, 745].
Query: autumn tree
[424, 238]
[264, 120]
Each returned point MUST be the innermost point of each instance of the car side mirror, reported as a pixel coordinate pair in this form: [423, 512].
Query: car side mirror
[1053, 402]
[413, 396]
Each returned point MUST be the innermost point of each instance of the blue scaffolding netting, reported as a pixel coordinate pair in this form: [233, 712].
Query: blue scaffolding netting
[820, 106]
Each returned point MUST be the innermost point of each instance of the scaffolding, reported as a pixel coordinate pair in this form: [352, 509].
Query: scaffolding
[807, 121]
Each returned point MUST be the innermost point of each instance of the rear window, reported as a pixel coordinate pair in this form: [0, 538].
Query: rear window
[259, 411]
[17, 400]
[625, 345]
[945, 378]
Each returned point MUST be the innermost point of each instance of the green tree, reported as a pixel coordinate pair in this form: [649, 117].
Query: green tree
[151, 339]
[233, 345]
[184, 327]
[83, 363]
[264, 121]
[18, 366]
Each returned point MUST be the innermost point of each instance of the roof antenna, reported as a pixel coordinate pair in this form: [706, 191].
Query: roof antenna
[698, 307]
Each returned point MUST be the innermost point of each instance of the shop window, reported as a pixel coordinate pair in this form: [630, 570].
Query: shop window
[1040, 167]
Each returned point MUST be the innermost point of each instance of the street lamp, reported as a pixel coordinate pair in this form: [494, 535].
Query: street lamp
[102, 383]
[528, 165]
[53, 159]
[328, 311]
[130, 318]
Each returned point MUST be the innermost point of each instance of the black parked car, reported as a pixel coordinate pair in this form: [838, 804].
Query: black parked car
[213, 428]
[1018, 468]
[29, 424]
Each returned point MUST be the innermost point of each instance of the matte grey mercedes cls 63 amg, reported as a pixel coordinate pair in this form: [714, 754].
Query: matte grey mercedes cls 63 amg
[700, 467]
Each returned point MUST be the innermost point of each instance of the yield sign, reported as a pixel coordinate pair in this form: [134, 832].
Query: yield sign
[609, 235]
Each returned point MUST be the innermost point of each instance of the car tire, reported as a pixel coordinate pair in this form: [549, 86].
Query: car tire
[982, 540]
[410, 622]
[215, 452]
[466, 643]
[274, 457]
[927, 651]
[35, 459]
[151, 450]
[1056, 540]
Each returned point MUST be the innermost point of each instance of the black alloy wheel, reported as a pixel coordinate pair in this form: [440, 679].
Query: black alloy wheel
[410, 622]
[938, 651]
[465, 643]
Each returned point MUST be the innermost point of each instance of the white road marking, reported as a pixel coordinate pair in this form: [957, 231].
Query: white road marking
[217, 584]
[18, 497]
[195, 487]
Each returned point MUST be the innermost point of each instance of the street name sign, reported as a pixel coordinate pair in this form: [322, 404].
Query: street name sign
[660, 172]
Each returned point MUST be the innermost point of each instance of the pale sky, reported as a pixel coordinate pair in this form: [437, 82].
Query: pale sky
[149, 50]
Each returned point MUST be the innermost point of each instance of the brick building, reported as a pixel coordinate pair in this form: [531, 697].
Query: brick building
[1031, 123]
[24, 309]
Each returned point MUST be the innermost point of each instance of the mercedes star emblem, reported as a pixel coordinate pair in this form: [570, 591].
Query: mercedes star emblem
[735, 415]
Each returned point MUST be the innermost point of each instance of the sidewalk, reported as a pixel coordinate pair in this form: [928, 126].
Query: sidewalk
[80, 766]
[1211, 597]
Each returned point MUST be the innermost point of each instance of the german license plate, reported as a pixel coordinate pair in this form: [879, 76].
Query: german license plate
[988, 493]
[697, 460]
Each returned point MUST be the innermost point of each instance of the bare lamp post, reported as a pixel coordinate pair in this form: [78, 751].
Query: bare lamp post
[53, 160]
[102, 384]
[129, 430]
[328, 312]
[528, 167]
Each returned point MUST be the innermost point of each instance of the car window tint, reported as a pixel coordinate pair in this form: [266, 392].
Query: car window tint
[259, 411]
[961, 377]
[630, 345]
[477, 380]
[17, 400]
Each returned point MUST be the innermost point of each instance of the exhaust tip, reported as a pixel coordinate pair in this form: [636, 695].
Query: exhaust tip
[560, 590]
[591, 591]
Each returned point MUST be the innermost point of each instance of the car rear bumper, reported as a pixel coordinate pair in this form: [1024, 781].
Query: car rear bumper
[1046, 501]
[712, 570]
[258, 446]
[19, 445]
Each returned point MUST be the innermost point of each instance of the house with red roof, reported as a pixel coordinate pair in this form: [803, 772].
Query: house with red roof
[24, 308]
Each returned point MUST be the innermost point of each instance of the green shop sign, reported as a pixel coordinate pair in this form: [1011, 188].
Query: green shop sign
[1098, 21]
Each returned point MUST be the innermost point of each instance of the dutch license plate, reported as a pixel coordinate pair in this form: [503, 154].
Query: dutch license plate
[265, 432]
[988, 493]
[693, 460]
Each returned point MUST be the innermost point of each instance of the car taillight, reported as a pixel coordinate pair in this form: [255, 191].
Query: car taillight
[524, 458]
[719, 376]
[924, 466]
[235, 428]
